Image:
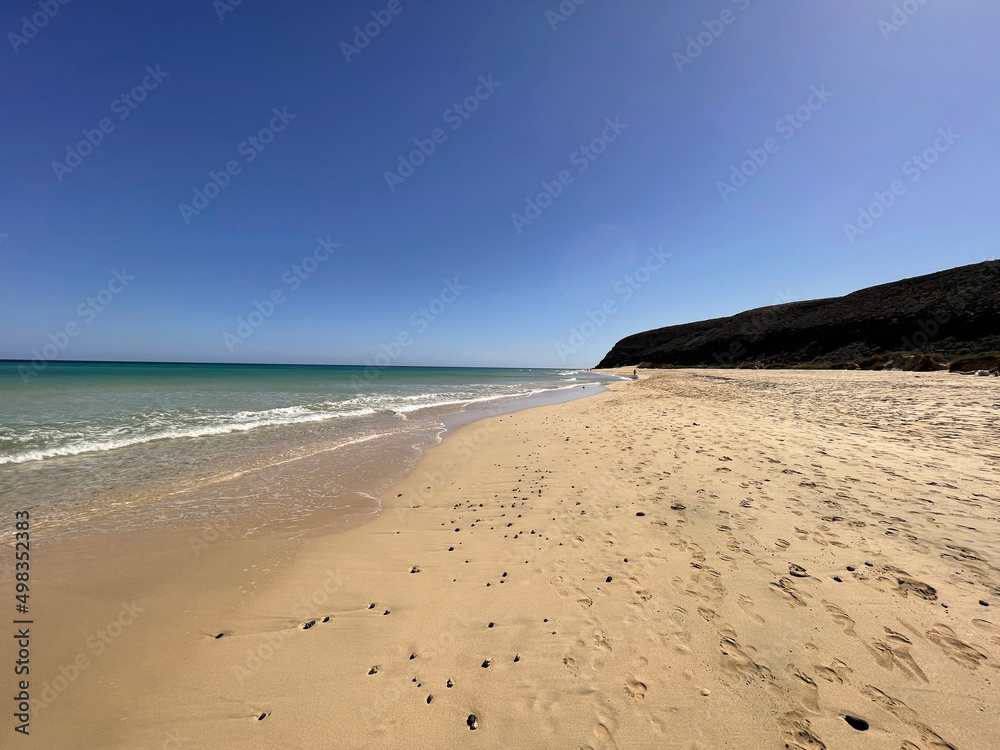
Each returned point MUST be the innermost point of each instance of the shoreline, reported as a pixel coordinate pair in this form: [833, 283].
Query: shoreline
[142, 578]
[198, 496]
[660, 485]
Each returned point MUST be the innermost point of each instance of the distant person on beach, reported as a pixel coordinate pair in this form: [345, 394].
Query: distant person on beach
[635, 374]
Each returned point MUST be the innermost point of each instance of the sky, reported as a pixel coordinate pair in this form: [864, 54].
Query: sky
[516, 183]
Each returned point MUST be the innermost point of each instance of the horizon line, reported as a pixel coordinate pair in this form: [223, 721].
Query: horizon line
[282, 364]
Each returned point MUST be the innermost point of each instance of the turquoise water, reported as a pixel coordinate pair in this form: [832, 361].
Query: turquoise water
[98, 435]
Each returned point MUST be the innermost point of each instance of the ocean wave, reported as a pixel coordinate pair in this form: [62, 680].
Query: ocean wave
[72, 439]
[243, 421]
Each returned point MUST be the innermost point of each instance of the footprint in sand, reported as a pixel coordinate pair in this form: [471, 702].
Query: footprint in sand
[989, 627]
[788, 592]
[841, 618]
[635, 690]
[707, 613]
[738, 663]
[810, 701]
[908, 716]
[746, 603]
[837, 672]
[798, 733]
[602, 643]
[763, 564]
[889, 656]
[955, 649]
[909, 585]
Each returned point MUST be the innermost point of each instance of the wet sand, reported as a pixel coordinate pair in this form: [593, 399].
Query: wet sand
[700, 559]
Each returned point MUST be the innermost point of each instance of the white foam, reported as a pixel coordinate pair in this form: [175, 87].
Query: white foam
[249, 421]
[146, 428]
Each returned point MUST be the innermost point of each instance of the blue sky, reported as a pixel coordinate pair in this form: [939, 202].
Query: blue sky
[554, 83]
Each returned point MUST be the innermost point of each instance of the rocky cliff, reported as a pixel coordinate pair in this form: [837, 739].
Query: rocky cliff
[944, 315]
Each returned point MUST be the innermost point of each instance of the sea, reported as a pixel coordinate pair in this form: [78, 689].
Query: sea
[91, 445]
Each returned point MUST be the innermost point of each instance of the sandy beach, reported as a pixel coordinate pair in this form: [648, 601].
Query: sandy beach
[698, 559]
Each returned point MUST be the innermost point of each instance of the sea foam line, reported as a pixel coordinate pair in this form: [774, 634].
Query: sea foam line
[288, 416]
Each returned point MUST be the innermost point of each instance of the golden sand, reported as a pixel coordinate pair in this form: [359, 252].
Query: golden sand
[700, 559]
